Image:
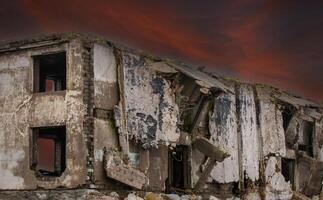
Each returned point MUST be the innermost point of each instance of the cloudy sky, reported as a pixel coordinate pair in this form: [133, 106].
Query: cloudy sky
[279, 42]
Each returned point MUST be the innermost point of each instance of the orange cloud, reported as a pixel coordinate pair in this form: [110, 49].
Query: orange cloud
[246, 38]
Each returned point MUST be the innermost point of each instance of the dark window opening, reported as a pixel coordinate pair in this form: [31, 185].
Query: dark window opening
[50, 72]
[179, 172]
[287, 116]
[287, 170]
[305, 141]
[49, 146]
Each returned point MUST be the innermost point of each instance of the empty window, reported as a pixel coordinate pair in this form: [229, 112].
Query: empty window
[287, 169]
[179, 172]
[49, 150]
[50, 72]
[287, 116]
[305, 141]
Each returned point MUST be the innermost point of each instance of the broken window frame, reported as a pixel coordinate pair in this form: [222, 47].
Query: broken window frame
[185, 183]
[304, 143]
[308, 137]
[60, 84]
[292, 170]
[287, 115]
[59, 139]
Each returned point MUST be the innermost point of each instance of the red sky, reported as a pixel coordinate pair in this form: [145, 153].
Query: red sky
[278, 42]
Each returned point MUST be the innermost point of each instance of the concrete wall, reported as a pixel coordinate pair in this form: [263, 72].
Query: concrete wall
[105, 77]
[21, 109]
[148, 103]
[223, 126]
[105, 98]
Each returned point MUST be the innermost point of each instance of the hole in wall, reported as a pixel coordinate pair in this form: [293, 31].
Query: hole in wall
[50, 72]
[49, 150]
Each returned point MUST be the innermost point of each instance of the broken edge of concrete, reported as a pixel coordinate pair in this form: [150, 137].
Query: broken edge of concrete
[116, 169]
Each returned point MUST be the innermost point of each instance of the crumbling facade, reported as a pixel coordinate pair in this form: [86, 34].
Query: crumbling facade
[79, 114]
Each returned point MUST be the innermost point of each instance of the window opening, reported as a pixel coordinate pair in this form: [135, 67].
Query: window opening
[305, 141]
[50, 72]
[49, 145]
[287, 169]
[287, 116]
[179, 173]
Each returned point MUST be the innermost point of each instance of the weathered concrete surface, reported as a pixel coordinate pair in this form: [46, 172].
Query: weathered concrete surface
[157, 171]
[105, 77]
[223, 130]
[213, 153]
[271, 125]
[14, 102]
[105, 98]
[248, 125]
[48, 108]
[299, 196]
[58, 194]
[201, 78]
[310, 175]
[21, 110]
[210, 150]
[296, 101]
[319, 130]
[318, 143]
[116, 169]
[249, 132]
[105, 136]
[276, 186]
[149, 104]
[254, 195]
[293, 130]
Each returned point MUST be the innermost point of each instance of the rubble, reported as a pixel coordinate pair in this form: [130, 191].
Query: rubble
[214, 155]
[115, 168]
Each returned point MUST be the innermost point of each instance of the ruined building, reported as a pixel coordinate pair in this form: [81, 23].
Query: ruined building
[80, 114]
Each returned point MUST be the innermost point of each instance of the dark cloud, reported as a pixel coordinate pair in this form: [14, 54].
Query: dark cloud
[278, 42]
[14, 22]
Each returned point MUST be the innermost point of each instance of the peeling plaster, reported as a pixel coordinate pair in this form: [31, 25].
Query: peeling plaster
[249, 132]
[271, 125]
[247, 124]
[150, 106]
[223, 129]
[276, 186]
[104, 64]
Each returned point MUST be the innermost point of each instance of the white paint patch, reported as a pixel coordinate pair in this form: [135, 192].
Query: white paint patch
[104, 64]
[8, 163]
[150, 107]
[98, 155]
[271, 167]
[223, 129]
[249, 134]
[134, 159]
[271, 125]
[276, 186]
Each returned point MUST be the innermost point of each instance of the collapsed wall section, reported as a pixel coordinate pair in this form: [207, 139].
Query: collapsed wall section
[223, 127]
[149, 108]
[250, 147]
[156, 112]
[105, 97]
